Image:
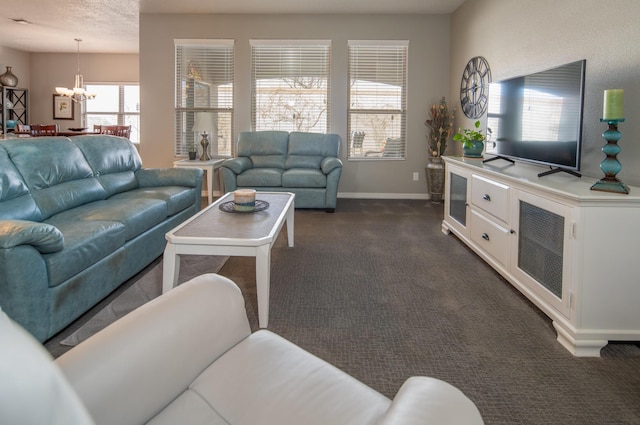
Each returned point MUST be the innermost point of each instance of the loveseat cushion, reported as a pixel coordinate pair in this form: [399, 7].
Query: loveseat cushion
[304, 177]
[307, 150]
[260, 177]
[266, 149]
[85, 243]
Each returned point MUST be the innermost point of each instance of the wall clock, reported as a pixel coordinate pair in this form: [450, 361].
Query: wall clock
[474, 87]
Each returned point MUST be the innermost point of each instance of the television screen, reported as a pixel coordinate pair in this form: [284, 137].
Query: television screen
[538, 117]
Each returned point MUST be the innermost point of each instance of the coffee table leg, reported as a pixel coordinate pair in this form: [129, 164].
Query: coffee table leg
[290, 215]
[170, 268]
[263, 281]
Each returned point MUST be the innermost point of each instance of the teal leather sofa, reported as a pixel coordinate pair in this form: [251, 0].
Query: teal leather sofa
[306, 164]
[78, 217]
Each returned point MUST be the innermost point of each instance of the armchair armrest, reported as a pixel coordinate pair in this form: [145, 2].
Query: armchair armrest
[238, 165]
[423, 400]
[43, 237]
[329, 164]
[152, 177]
[157, 350]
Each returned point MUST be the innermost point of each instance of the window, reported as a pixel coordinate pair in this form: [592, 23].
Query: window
[290, 85]
[114, 104]
[204, 86]
[377, 99]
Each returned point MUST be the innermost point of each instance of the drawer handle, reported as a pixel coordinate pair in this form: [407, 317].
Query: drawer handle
[485, 236]
[486, 197]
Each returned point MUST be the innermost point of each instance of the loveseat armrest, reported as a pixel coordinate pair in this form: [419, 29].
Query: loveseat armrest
[43, 237]
[238, 165]
[132, 369]
[423, 400]
[154, 177]
[329, 164]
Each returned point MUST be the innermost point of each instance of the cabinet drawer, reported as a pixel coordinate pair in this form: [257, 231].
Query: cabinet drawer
[491, 237]
[491, 196]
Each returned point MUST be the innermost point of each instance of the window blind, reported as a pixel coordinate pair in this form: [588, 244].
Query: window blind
[290, 85]
[377, 99]
[204, 84]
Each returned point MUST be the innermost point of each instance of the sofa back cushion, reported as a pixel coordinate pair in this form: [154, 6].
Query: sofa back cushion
[16, 201]
[266, 149]
[116, 170]
[56, 173]
[307, 150]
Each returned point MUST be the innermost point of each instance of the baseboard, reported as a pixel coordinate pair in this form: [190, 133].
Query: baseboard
[359, 195]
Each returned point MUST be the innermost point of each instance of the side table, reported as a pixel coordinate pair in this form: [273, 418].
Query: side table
[209, 167]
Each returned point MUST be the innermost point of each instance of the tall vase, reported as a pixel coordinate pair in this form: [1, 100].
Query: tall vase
[435, 178]
[8, 79]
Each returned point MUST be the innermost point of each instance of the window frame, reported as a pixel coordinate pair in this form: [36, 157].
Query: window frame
[121, 114]
[358, 147]
[318, 50]
[184, 115]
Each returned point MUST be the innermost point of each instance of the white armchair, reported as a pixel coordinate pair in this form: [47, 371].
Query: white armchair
[189, 357]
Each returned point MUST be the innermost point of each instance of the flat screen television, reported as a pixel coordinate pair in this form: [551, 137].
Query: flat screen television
[538, 117]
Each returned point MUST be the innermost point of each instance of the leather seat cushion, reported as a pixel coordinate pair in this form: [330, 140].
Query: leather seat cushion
[260, 177]
[304, 177]
[177, 198]
[282, 383]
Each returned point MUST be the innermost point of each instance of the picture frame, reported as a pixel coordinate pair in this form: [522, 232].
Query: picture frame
[62, 108]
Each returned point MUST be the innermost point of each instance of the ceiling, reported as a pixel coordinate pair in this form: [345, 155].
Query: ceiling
[111, 26]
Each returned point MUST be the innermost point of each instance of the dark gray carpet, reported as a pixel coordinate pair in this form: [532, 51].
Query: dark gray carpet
[377, 290]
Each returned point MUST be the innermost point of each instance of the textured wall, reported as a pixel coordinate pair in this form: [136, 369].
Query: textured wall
[519, 37]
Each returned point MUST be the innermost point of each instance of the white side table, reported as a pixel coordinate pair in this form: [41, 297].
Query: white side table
[209, 167]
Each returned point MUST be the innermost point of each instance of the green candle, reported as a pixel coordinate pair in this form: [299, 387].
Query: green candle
[613, 100]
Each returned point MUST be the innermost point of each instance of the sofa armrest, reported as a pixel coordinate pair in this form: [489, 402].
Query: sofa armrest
[329, 164]
[423, 400]
[153, 177]
[43, 237]
[135, 367]
[238, 165]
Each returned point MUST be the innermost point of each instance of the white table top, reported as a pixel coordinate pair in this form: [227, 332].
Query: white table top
[214, 227]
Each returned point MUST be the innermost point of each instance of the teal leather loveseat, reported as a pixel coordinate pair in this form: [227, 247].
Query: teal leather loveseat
[78, 217]
[306, 164]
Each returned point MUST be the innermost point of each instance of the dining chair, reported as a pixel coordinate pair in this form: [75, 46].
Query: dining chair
[23, 130]
[45, 130]
[116, 130]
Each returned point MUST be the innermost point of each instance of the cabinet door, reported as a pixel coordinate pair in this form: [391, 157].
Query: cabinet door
[456, 209]
[541, 251]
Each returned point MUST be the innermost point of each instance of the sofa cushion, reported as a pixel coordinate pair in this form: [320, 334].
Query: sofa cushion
[85, 243]
[304, 177]
[266, 149]
[260, 177]
[56, 173]
[284, 384]
[176, 198]
[15, 198]
[137, 215]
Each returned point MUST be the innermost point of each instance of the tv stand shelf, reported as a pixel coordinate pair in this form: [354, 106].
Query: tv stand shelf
[570, 250]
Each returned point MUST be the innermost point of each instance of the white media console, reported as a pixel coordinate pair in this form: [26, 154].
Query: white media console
[574, 252]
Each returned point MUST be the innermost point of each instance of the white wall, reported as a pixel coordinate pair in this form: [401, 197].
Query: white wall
[49, 70]
[19, 63]
[428, 81]
[519, 37]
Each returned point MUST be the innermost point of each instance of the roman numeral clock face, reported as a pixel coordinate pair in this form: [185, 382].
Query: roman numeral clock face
[474, 87]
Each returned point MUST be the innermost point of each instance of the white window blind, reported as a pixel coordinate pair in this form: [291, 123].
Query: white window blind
[377, 99]
[290, 85]
[204, 85]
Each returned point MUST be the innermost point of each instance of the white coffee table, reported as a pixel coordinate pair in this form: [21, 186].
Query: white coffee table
[214, 232]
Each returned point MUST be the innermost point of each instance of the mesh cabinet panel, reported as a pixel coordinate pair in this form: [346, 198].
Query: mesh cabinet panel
[458, 199]
[540, 246]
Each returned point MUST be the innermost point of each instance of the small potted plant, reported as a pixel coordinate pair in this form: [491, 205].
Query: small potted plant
[191, 150]
[472, 140]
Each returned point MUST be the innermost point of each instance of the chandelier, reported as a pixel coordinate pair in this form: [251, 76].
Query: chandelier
[78, 93]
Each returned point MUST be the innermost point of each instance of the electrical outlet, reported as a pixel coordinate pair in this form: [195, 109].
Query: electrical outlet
[416, 176]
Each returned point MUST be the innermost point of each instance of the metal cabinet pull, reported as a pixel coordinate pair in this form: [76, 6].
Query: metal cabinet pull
[486, 197]
[485, 236]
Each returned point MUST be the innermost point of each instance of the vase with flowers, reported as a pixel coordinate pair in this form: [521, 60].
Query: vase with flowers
[440, 125]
